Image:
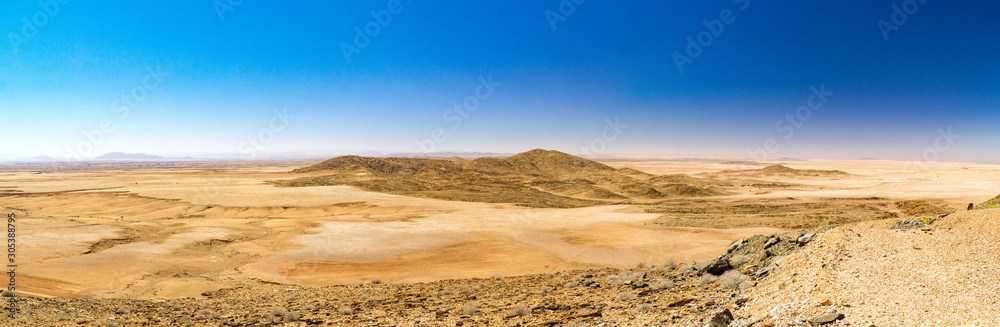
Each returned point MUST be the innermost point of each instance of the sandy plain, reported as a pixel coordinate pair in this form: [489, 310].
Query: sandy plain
[149, 232]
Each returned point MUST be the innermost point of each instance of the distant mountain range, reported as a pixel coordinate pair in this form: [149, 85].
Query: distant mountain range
[127, 156]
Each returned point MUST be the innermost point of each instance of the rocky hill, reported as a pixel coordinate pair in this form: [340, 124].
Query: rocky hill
[782, 171]
[537, 178]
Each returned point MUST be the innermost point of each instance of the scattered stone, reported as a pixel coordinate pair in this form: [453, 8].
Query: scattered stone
[681, 302]
[735, 245]
[771, 241]
[717, 268]
[826, 318]
[805, 239]
[721, 319]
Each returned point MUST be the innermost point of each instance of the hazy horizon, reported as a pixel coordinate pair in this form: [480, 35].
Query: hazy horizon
[840, 80]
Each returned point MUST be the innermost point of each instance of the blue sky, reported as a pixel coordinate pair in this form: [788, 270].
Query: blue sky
[220, 76]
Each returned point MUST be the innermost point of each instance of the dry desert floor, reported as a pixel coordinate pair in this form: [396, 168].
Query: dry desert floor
[148, 232]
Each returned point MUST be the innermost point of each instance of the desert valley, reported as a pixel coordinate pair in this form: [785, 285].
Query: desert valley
[540, 238]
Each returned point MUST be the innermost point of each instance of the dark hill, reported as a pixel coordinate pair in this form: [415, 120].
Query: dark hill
[538, 178]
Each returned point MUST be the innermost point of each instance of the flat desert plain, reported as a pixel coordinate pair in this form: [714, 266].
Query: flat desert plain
[162, 232]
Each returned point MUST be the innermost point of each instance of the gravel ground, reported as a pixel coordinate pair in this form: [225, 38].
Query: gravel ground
[945, 274]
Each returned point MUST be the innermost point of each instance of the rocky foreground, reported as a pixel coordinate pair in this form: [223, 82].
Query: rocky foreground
[866, 274]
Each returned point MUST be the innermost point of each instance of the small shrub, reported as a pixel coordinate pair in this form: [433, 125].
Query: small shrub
[497, 277]
[345, 310]
[376, 281]
[571, 285]
[216, 315]
[446, 292]
[309, 307]
[292, 316]
[732, 280]
[545, 289]
[644, 307]
[626, 296]
[519, 310]
[204, 312]
[707, 279]
[470, 308]
[662, 284]
[614, 280]
[121, 311]
[739, 260]
[110, 323]
[669, 266]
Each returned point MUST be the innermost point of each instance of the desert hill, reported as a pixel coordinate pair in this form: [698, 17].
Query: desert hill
[781, 171]
[537, 178]
[992, 203]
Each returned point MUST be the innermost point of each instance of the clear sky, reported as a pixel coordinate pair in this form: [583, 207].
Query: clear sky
[204, 77]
